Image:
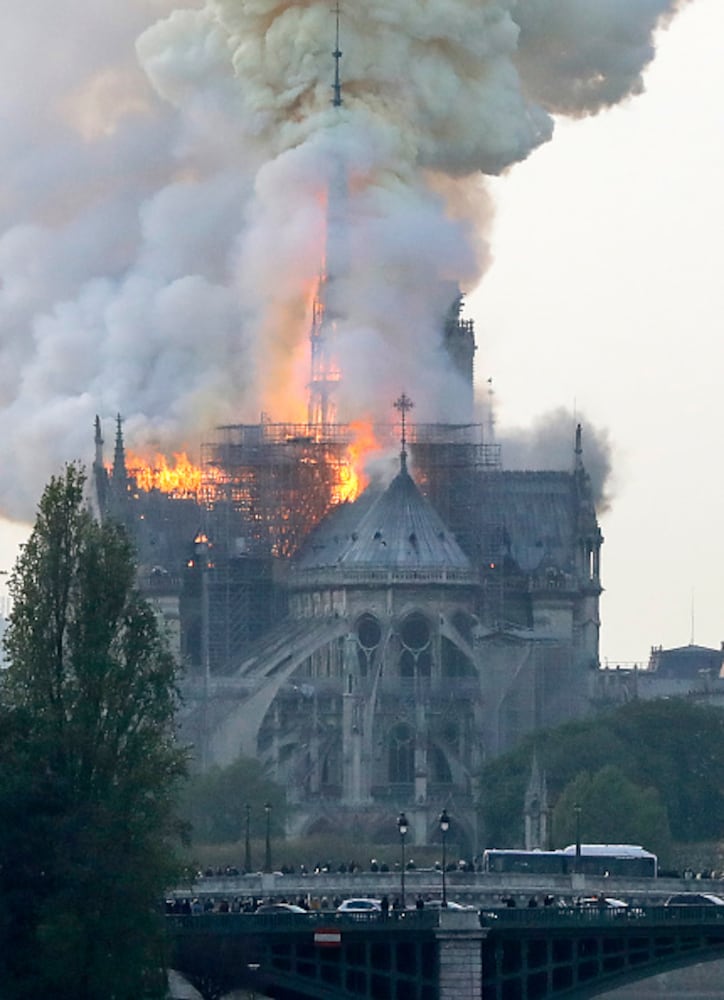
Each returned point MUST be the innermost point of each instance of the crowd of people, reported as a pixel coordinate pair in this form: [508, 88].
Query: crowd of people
[326, 867]
[195, 905]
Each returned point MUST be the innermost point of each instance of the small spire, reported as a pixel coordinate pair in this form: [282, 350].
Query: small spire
[403, 404]
[98, 442]
[578, 449]
[337, 86]
[119, 455]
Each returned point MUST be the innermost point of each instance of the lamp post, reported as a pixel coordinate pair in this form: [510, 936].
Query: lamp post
[247, 838]
[403, 827]
[444, 827]
[577, 810]
[267, 844]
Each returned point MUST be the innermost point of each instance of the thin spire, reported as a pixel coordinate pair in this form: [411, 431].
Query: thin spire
[119, 456]
[579, 449]
[337, 86]
[98, 443]
[404, 404]
[326, 309]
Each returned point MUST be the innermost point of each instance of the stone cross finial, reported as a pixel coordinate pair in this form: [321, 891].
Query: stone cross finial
[403, 404]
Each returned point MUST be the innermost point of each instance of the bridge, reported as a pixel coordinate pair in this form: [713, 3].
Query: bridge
[497, 954]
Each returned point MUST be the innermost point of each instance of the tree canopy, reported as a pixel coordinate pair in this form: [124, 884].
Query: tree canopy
[670, 750]
[609, 808]
[89, 766]
[214, 803]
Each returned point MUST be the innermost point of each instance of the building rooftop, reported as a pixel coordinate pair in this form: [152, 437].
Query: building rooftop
[686, 662]
[398, 528]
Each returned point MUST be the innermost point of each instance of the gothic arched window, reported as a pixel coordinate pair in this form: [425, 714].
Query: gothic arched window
[415, 632]
[369, 636]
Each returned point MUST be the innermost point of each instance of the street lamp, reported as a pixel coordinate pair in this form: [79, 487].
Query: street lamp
[577, 810]
[267, 845]
[403, 827]
[247, 838]
[444, 827]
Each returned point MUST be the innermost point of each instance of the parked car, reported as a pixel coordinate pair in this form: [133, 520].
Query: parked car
[360, 905]
[436, 904]
[602, 902]
[279, 908]
[694, 899]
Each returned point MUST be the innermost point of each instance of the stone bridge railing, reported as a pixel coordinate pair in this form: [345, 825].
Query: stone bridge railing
[475, 888]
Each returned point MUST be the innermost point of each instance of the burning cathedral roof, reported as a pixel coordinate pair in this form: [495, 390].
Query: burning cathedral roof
[398, 528]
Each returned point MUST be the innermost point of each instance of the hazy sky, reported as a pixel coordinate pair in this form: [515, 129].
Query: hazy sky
[607, 295]
[604, 296]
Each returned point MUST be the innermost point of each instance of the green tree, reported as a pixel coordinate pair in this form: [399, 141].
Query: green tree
[671, 745]
[214, 803]
[89, 766]
[613, 810]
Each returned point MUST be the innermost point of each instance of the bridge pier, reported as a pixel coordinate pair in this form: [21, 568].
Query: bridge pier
[459, 937]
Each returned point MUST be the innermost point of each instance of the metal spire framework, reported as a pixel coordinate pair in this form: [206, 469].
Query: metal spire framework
[325, 374]
[337, 86]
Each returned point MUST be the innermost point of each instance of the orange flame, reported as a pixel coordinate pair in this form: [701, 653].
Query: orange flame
[180, 479]
[352, 476]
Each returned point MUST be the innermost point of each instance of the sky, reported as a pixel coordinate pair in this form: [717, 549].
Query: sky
[601, 295]
[606, 296]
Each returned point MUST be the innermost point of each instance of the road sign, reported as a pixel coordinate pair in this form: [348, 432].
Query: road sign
[328, 937]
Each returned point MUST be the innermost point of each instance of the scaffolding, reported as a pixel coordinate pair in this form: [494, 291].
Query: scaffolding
[461, 474]
[265, 486]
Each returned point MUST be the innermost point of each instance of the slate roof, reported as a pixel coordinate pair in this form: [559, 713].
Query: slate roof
[398, 528]
[538, 520]
[539, 511]
[686, 661]
[326, 543]
[541, 514]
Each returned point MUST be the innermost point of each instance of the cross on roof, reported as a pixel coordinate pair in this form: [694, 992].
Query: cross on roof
[403, 404]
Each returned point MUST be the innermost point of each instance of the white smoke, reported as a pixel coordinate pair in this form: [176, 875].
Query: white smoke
[162, 173]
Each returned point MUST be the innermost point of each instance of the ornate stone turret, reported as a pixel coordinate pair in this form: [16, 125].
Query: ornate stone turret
[589, 533]
[119, 475]
[536, 810]
[100, 473]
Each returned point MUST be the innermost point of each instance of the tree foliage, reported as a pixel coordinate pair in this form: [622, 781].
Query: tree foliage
[672, 746]
[611, 809]
[88, 765]
[214, 803]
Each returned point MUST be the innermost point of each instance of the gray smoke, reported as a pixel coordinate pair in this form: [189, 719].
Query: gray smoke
[549, 444]
[162, 176]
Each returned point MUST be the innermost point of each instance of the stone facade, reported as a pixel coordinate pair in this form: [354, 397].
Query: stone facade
[406, 658]
[412, 635]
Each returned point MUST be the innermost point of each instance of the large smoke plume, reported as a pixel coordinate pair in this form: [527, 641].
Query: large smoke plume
[162, 180]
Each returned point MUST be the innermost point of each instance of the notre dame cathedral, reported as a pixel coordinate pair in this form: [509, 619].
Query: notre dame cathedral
[373, 652]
